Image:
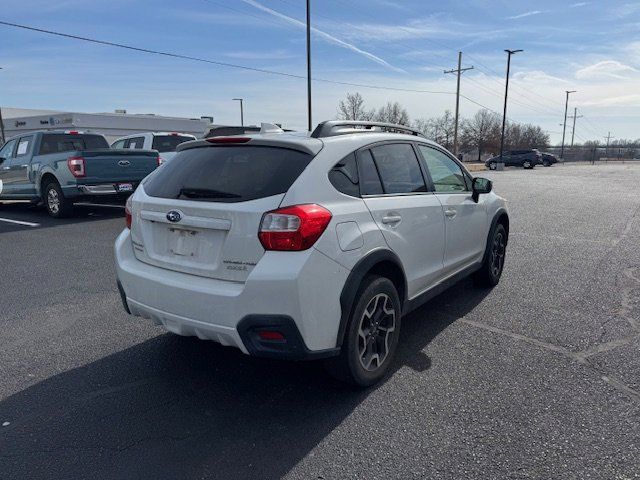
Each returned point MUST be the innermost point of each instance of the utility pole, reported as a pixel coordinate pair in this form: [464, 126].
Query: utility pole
[1, 126]
[459, 71]
[309, 64]
[575, 116]
[241, 111]
[564, 126]
[504, 115]
[608, 137]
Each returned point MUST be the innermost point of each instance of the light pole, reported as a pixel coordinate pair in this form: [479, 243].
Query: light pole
[504, 115]
[309, 63]
[241, 111]
[564, 126]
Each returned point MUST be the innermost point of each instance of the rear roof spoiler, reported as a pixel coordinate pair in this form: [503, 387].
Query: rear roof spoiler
[333, 128]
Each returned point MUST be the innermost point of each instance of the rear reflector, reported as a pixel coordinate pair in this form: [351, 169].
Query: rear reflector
[228, 139]
[127, 213]
[77, 166]
[293, 228]
[271, 335]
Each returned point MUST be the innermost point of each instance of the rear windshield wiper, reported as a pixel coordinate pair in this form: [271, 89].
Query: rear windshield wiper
[205, 193]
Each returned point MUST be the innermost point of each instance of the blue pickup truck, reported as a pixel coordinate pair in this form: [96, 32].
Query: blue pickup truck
[59, 168]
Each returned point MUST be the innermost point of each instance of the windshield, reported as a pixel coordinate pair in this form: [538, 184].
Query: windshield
[227, 174]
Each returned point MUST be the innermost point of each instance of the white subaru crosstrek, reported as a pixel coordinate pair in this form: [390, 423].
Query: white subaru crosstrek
[297, 247]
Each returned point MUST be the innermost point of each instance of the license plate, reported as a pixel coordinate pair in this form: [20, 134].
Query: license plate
[124, 187]
[183, 243]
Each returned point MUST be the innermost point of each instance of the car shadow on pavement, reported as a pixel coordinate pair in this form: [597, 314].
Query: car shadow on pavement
[174, 407]
[25, 212]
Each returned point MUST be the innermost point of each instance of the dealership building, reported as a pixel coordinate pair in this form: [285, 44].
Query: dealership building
[111, 125]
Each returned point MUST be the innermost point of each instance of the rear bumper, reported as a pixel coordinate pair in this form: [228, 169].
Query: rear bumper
[287, 290]
[97, 190]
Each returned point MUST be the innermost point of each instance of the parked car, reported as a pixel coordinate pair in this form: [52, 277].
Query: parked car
[549, 159]
[517, 158]
[59, 168]
[307, 247]
[164, 142]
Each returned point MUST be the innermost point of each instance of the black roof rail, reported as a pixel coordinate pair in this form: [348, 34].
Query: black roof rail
[332, 128]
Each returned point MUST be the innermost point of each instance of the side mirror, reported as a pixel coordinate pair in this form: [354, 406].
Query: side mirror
[480, 185]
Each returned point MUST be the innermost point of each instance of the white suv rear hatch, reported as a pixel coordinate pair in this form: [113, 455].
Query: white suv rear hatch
[201, 215]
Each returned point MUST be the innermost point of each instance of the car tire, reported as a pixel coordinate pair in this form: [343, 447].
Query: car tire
[371, 336]
[493, 166]
[546, 163]
[491, 270]
[527, 165]
[55, 202]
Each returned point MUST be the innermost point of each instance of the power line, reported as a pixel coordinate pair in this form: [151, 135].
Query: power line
[215, 62]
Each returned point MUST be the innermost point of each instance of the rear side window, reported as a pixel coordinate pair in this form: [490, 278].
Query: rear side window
[399, 168]
[227, 173]
[62, 142]
[369, 179]
[118, 144]
[136, 143]
[344, 176]
[168, 143]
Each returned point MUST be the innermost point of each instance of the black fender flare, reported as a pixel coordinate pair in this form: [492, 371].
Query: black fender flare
[354, 280]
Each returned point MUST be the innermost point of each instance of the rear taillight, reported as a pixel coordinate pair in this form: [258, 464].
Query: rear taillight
[159, 160]
[293, 228]
[77, 166]
[127, 212]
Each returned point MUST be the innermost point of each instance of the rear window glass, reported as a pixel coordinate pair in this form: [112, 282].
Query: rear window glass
[60, 142]
[168, 143]
[227, 174]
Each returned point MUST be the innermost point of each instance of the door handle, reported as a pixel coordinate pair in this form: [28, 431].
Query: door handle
[391, 219]
[450, 213]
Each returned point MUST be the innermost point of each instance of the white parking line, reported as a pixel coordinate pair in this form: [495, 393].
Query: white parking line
[19, 222]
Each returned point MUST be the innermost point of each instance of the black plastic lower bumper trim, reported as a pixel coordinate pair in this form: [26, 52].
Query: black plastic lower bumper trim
[292, 348]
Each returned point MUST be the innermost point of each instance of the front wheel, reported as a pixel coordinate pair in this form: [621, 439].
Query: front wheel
[54, 200]
[493, 264]
[372, 335]
[492, 166]
[527, 164]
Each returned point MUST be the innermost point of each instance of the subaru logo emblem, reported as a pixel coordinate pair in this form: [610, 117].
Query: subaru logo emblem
[124, 163]
[174, 216]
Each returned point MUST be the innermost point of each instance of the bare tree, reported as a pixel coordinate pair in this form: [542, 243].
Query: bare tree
[481, 132]
[353, 108]
[393, 113]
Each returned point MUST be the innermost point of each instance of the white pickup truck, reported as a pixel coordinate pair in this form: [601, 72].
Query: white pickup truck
[164, 142]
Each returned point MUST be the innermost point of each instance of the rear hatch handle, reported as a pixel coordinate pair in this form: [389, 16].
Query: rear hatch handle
[187, 220]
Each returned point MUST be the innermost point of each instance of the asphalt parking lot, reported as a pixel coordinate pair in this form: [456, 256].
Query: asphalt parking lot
[538, 378]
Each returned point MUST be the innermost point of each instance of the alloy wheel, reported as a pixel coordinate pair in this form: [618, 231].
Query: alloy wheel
[375, 332]
[497, 254]
[53, 201]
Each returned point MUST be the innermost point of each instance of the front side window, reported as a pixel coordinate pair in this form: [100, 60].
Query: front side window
[24, 146]
[344, 176]
[7, 149]
[446, 174]
[399, 168]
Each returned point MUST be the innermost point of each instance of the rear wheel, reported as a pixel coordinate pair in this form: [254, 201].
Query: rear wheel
[527, 164]
[372, 335]
[55, 202]
[491, 270]
[492, 166]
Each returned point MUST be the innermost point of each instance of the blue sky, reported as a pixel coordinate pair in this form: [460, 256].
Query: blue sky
[592, 47]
